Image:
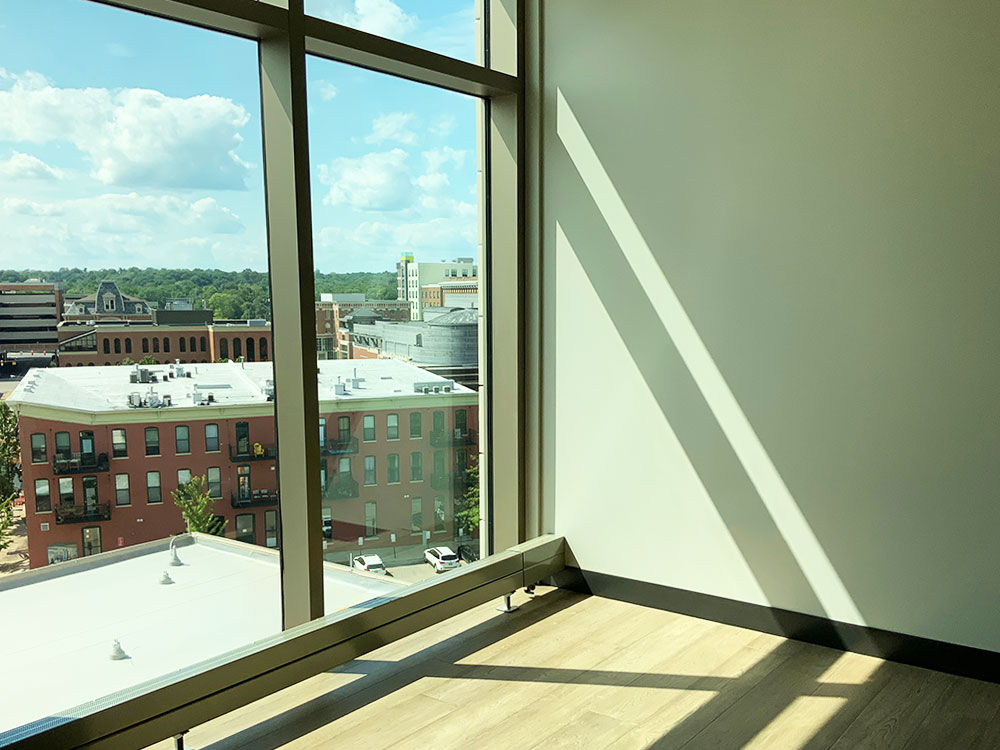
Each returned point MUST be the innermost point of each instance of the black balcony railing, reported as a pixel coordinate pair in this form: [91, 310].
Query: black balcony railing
[340, 487]
[80, 463]
[254, 499]
[82, 513]
[449, 438]
[336, 446]
[254, 452]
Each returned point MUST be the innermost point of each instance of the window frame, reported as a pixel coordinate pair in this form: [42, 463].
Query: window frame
[146, 434]
[285, 36]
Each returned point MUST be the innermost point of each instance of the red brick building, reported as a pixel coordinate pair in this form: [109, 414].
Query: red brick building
[333, 308]
[103, 448]
[109, 343]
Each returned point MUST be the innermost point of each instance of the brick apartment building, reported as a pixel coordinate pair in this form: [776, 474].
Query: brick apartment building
[103, 447]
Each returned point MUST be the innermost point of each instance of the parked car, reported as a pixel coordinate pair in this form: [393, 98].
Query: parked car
[370, 564]
[328, 528]
[468, 552]
[441, 558]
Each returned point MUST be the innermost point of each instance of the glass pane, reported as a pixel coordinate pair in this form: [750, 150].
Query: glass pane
[396, 228]
[132, 225]
[447, 27]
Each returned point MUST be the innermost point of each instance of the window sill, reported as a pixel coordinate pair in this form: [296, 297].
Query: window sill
[416, 481]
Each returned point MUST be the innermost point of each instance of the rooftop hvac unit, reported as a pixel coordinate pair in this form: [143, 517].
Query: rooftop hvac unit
[135, 399]
[133, 377]
[340, 389]
[153, 400]
[447, 389]
[196, 396]
[143, 374]
[167, 400]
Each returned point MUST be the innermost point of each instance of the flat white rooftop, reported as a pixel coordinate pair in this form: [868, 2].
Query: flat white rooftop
[60, 621]
[104, 389]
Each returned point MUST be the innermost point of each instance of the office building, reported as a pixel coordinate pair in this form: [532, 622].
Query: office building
[412, 276]
[29, 315]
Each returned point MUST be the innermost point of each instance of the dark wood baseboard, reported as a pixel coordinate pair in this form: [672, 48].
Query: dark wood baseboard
[953, 658]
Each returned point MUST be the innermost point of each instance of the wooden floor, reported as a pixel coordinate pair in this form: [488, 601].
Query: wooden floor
[569, 671]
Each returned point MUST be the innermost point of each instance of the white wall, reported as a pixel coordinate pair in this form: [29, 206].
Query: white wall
[771, 301]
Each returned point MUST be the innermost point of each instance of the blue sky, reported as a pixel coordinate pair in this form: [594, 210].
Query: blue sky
[128, 140]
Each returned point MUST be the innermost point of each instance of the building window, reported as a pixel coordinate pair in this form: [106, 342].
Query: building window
[39, 453]
[153, 495]
[183, 477]
[106, 346]
[214, 479]
[89, 492]
[91, 540]
[392, 427]
[270, 526]
[66, 491]
[369, 428]
[156, 345]
[416, 515]
[183, 344]
[61, 552]
[43, 500]
[369, 470]
[223, 348]
[392, 463]
[152, 441]
[322, 432]
[118, 346]
[438, 462]
[245, 528]
[243, 489]
[461, 425]
[192, 345]
[462, 459]
[87, 455]
[439, 513]
[237, 347]
[242, 438]
[343, 429]
[211, 438]
[344, 466]
[182, 437]
[371, 528]
[121, 490]
[203, 344]
[166, 344]
[119, 446]
[263, 349]
[128, 346]
[416, 424]
[251, 357]
[416, 466]
[63, 449]
[145, 345]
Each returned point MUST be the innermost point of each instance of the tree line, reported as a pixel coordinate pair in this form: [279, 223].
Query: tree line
[231, 294]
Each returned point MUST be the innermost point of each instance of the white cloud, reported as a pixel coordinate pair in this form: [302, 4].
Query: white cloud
[377, 181]
[326, 90]
[382, 17]
[432, 182]
[439, 157]
[392, 127]
[444, 126]
[134, 137]
[26, 167]
[30, 208]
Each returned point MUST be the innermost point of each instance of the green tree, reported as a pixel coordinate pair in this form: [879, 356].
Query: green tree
[127, 362]
[198, 508]
[467, 506]
[147, 360]
[10, 472]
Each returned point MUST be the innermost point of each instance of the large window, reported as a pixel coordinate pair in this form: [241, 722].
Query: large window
[152, 441]
[38, 451]
[43, 500]
[119, 446]
[148, 146]
[64, 447]
[182, 436]
[121, 490]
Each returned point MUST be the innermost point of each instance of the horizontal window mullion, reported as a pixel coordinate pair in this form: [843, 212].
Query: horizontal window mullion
[344, 44]
[246, 18]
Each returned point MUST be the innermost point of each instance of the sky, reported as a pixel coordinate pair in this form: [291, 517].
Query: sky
[127, 140]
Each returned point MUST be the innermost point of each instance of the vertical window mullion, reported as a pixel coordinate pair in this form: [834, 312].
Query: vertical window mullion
[289, 229]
